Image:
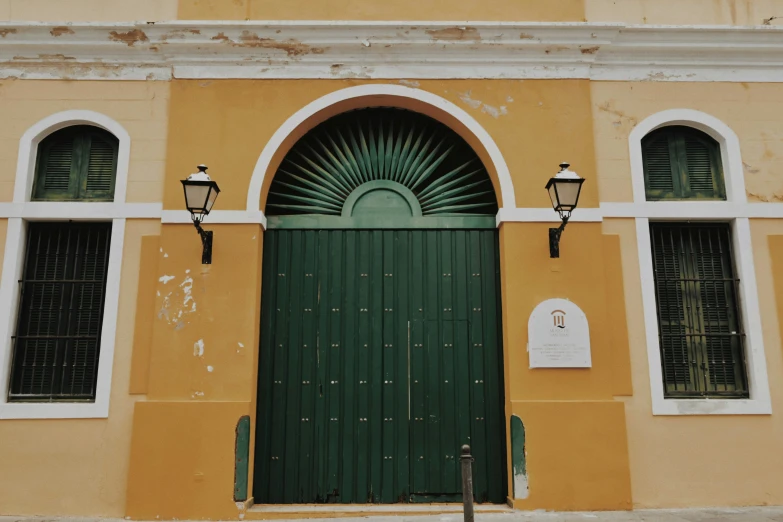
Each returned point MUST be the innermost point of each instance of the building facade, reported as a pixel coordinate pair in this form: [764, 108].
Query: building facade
[380, 243]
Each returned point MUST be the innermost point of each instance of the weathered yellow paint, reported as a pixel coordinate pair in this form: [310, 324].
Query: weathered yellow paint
[681, 461]
[616, 317]
[752, 110]
[202, 374]
[566, 410]
[532, 122]
[204, 313]
[592, 441]
[145, 304]
[562, 10]
[577, 456]
[88, 10]
[140, 107]
[182, 463]
[693, 12]
[577, 275]
[85, 462]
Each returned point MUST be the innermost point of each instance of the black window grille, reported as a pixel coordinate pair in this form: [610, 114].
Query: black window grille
[699, 327]
[57, 343]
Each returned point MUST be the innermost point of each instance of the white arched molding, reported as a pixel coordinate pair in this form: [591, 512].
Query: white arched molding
[400, 91]
[735, 210]
[22, 210]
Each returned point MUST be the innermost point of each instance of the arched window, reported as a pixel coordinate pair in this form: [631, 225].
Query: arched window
[699, 324]
[56, 348]
[682, 163]
[76, 163]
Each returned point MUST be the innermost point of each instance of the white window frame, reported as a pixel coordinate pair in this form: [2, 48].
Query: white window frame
[23, 210]
[734, 211]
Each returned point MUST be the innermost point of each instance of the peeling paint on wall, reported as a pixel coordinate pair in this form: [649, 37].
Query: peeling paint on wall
[129, 38]
[519, 458]
[454, 33]
[165, 279]
[198, 348]
[495, 112]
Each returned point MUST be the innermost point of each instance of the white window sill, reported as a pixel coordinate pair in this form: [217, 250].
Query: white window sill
[49, 410]
[663, 406]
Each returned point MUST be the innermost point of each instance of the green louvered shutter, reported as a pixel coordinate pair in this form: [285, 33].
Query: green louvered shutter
[101, 168]
[659, 180]
[700, 333]
[682, 163]
[76, 163]
[55, 162]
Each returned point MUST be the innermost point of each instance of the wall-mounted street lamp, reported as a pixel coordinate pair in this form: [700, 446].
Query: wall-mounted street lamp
[200, 194]
[564, 191]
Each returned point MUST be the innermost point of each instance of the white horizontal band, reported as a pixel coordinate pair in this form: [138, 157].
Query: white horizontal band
[390, 49]
[660, 210]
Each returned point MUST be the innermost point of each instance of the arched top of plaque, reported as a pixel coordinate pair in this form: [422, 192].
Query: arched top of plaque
[558, 336]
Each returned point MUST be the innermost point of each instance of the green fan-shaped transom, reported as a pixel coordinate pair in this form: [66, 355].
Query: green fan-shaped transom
[408, 154]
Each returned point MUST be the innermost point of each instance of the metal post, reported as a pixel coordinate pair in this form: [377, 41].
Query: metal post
[467, 483]
[206, 243]
[554, 239]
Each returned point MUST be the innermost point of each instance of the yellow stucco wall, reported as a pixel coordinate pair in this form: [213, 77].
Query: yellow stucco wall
[167, 450]
[215, 372]
[562, 10]
[140, 107]
[84, 462]
[692, 12]
[682, 461]
[536, 124]
[752, 110]
[88, 10]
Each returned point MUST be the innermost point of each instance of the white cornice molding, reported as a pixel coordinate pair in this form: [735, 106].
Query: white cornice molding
[387, 50]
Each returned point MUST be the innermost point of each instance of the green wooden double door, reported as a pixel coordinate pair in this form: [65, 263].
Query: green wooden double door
[380, 357]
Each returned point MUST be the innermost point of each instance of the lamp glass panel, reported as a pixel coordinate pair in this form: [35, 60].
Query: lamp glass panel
[213, 194]
[568, 194]
[553, 195]
[196, 197]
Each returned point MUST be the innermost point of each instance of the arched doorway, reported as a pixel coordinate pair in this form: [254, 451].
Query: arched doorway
[381, 337]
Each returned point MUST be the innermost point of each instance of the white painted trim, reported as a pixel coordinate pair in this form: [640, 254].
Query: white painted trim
[731, 156]
[735, 210]
[391, 50]
[28, 149]
[303, 114]
[54, 211]
[216, 217]
[23, 209]
[546, 215]
[696, 210]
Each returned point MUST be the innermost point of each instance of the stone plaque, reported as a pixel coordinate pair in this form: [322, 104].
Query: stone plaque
[558, 336]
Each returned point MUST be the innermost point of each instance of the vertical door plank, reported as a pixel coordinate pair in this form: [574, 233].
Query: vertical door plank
[349, 362]
[305, 489]
[391, 382]
[495, 415]
[333, 386]
[401, 360]
[320, 454]
[264, 428]
[363, 455]
[375, 418]
[476, 380]
[279, 405]
[293, 375]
